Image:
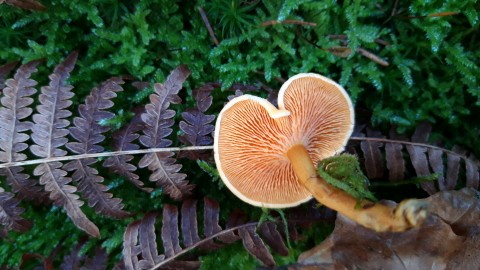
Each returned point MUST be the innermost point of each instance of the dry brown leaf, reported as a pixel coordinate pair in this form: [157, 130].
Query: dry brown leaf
[449, 239]
[25, 4]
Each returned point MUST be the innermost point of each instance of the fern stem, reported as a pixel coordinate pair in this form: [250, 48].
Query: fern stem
[196, 148]
[190, 248]
[207, 24]
[429, 146]
[106, 154]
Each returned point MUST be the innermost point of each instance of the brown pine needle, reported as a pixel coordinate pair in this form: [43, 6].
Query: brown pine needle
[375, 58]
[433, 15]
[273, 22]
[207, 24]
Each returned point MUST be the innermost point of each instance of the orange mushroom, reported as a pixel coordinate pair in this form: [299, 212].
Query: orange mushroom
[267, 156]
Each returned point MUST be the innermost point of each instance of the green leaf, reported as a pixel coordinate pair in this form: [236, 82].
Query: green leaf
[211, 171]
[344, 172]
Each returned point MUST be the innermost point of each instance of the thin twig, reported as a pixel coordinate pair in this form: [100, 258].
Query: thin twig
[344, 37]
[382, 42]
[439, 14]
[299, 34]
[207, 24]
[364, 52]
[375, 58]
[273, 22]
[394, 10]
[207, 239]
[105, 154]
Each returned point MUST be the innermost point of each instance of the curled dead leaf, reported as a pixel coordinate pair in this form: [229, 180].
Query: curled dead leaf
[449, 239]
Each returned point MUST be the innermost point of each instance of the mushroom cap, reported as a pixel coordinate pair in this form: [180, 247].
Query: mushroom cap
[252, 138]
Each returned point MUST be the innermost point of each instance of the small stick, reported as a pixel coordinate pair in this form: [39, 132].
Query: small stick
[373, 57]
[344, 37]
[105, 154]
[379, 217]
[273, 22]
[382, 42]
[207, 24]
[307, 40]
[364, 52]
[394, 10]
[440, 14]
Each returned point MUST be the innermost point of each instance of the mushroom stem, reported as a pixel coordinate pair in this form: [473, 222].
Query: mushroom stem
[379, 217]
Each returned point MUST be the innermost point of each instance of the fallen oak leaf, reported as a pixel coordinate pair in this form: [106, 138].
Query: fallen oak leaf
[460, 209]
[449, 239]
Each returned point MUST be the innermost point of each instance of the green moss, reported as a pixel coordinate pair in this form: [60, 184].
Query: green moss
[231, 257]
[343, 171]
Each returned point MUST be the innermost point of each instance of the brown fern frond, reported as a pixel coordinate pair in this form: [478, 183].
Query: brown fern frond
[15, 108]
[10, 213]
[165, 172]
[88, 133]
[140, 249]
[236, 94]
[96, 262]
[270, 235]
[63, 194]
[72, 260]
[76, 260]
[158, 120]
[90, 187]
[197, 125]
[157, 116]
[255, 246]
[49, 134]
[122, 141]
[372, 154]
[23, 186]
[4, 71]
[144, 245]
[16, 101]
[211, 219]
[393, 157]
[189, 225]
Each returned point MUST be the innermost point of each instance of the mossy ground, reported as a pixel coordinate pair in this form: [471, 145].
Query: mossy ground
[432, 75]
